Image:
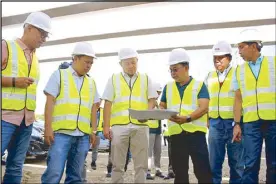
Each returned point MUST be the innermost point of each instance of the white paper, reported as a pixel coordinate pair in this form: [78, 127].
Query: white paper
[154, 114]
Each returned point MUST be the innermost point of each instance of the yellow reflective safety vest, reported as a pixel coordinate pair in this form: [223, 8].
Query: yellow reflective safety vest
[185, 106]
[125, 97]
[100, 121]
[153, 123]
[13, 98]
[258, 94]
[73, 108]
[221, 98]
[166, 133]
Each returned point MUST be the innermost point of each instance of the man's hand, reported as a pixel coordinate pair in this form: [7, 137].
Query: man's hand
[49, 135]
[23, 82]
[108, 133]
[237, 134]
[178, 119]
[93, 140]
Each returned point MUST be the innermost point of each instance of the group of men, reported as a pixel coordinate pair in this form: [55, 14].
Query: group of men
[237, 104]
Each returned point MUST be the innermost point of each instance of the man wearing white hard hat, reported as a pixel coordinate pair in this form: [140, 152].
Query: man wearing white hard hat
[187, 130]
[255, 94]
[221, 116]
[155, 140]
[20, 76]
[71, 107]
[124, 90]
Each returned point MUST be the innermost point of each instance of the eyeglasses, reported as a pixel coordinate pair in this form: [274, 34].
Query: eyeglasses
[129, 63]
[174, 70]
[44, 34]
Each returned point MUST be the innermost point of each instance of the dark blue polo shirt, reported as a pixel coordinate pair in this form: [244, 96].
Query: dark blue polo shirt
[203, 93]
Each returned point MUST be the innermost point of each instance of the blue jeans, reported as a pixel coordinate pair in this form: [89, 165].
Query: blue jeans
[17, 140]
[253, 135]
[220, 137]
[72, 149]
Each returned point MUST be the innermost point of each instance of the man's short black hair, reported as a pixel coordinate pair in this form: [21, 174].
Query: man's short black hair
[184, 63]
[259, 45]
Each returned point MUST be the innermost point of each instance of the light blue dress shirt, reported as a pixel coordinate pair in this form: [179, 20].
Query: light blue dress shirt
[255, 67]
[53, 88]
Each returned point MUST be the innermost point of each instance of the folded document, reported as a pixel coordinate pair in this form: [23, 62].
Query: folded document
[154, 114]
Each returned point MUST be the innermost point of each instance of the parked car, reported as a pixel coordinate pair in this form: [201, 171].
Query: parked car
[37, 147]
[103, 146]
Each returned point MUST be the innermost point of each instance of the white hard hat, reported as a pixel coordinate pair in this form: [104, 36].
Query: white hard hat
[84, 48]
[178, 55]
[249, 35]
[126, 53]
[221, 48]
[39, 20]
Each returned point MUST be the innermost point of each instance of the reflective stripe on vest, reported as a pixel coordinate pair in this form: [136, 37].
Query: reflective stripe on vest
[221, 98]
[73, 108]
[13, 98]
[166, 133]
[100, 121]
[135, 98]
[258, 95]
[185, 106]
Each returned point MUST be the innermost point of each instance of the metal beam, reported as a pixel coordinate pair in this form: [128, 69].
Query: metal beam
[146, 51]
[151, 31]
[70, 10]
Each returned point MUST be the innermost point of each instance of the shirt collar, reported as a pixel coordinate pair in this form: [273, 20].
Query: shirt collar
[126, 75]
[225, 71]
[74, 71]
[23, 46]
[258, 61]
[178, 84]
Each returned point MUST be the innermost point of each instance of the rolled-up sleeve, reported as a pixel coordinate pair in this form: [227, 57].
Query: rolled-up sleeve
[53, 84]
[152, 93]
[109, 91]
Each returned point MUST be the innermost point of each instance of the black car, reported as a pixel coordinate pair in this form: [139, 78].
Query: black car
[38, 148]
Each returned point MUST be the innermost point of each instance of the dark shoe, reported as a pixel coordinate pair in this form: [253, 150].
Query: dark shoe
[159, 174]
[108, 175]
[169, 176]
[93, 165]
[149, 177]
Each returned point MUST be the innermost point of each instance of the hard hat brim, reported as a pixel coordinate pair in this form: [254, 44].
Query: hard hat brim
[220, 53]
[90, 55]
[176, 62]
[127, 57]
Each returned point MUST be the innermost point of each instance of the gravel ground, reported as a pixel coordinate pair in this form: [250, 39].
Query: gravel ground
[33, 170]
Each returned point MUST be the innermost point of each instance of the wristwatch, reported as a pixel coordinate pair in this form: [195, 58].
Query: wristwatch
[235, 123]
[94, 132]
[189, 119]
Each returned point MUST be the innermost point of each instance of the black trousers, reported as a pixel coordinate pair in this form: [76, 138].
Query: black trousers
[190, 144]
[169, 154]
